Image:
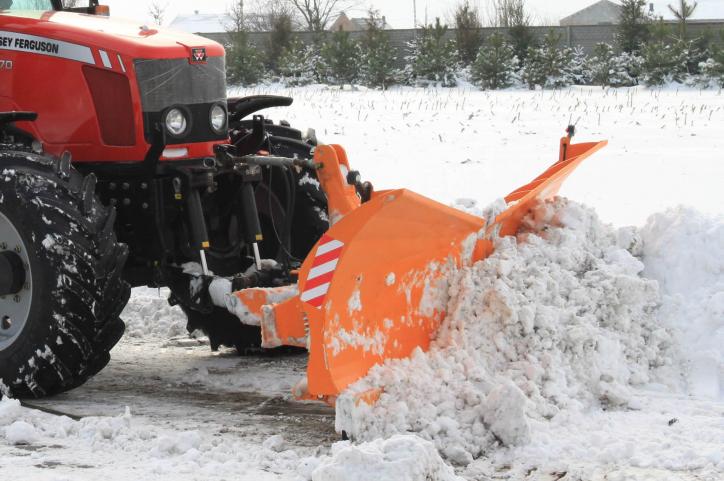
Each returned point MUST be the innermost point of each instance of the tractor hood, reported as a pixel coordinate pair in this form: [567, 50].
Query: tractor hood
[126, 37]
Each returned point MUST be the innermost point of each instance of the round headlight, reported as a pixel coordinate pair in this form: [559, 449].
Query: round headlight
[218, 119]
[176, 122]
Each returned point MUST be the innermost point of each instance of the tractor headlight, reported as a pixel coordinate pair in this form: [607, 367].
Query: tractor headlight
[176, 122]
[218, 119]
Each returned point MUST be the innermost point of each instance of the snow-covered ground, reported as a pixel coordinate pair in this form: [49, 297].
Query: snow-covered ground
[597, 352]
[665, 146]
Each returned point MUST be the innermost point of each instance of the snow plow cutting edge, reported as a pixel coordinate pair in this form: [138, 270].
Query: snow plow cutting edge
[374, 287]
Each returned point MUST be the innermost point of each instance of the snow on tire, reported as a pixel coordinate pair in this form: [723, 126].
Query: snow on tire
[72, 284]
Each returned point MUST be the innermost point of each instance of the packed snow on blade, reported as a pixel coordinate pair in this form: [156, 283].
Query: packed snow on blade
[557, 319]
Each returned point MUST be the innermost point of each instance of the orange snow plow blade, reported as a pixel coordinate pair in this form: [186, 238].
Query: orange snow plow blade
[375, 286]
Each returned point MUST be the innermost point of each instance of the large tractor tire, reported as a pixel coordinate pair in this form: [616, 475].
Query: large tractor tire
[61, 277]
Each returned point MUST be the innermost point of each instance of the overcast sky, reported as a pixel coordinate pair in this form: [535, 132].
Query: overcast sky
[399, 13]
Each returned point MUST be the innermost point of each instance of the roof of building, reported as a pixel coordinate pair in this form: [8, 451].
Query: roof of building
[359, 22]
[606, 10]
[355, 24]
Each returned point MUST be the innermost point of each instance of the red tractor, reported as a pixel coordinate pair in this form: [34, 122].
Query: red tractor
[124, 164]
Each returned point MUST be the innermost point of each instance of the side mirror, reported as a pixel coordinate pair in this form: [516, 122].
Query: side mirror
[102, 10]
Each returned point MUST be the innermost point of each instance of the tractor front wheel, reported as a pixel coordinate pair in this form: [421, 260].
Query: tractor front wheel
[61, 291]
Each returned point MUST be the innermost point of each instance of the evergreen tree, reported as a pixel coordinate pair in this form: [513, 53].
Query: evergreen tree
[698, 51]
[633, 64]
[633, 30]
[317, 61]
[663, 63]
[664, 57]
[513, 16]
[534, 72]
[294, 64]
[547, 65]
[279, 38]
[496, 64]
[433, 58]
[244, 65]
[378, 58]
[560, 63]
[468, 31]
[611, 70]
[712, 70]
[683, 13]
[577, 71]
[660, 31]
[602, 68]
[523, 40]
[342, 55]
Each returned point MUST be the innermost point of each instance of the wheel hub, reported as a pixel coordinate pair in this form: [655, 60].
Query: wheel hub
[12, 273]
[15, 283]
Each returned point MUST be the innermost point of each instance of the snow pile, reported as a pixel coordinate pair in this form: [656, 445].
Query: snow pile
[400, 458]
[148, 314]
[684, 250]
[558, 321]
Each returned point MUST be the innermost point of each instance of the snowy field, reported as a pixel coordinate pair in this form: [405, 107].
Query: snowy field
[594, 351]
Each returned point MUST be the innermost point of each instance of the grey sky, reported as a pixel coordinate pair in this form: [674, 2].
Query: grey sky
[399, 12]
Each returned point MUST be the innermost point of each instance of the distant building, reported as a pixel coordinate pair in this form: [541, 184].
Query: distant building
[358, 24]
[603, 12]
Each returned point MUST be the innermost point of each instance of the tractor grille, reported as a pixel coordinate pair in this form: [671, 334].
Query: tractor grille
[167, 83]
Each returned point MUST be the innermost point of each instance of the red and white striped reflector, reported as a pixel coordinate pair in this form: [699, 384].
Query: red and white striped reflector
[322, 271]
